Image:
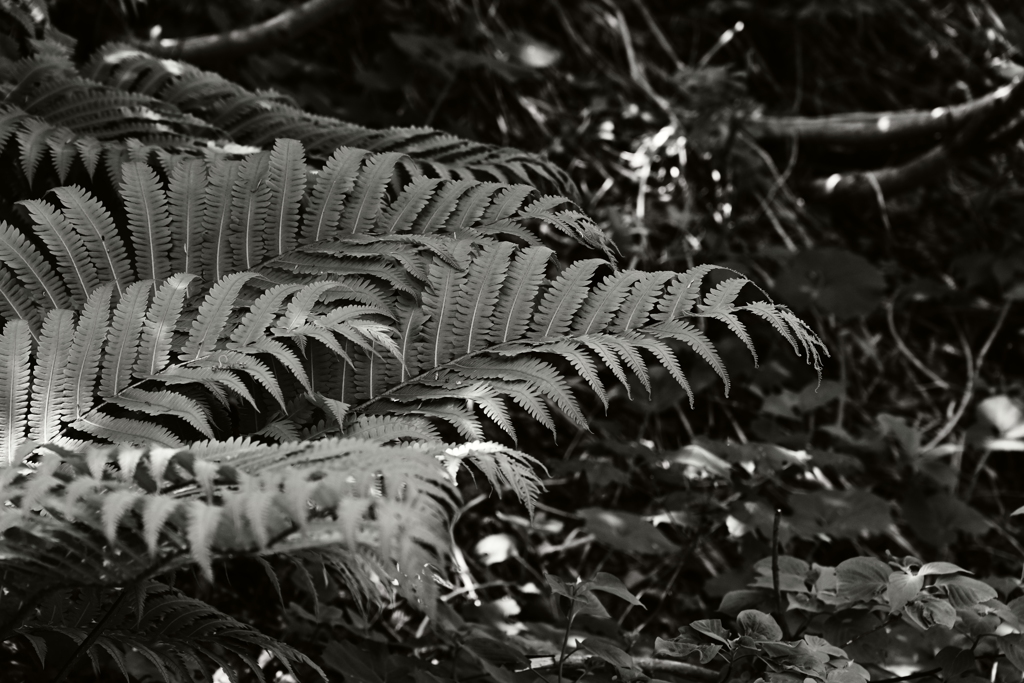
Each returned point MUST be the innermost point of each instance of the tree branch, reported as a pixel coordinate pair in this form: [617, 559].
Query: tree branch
[242, 40]
[577, 660]
[874, 127]
[994, 120]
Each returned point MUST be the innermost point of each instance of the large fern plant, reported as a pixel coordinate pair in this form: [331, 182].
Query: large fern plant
[263, 333]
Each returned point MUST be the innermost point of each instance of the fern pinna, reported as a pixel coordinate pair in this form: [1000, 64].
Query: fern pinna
[281, 353]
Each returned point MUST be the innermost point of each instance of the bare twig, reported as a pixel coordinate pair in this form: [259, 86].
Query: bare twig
[872, 127]
[895, 179]
[908, 354]
[973, 373]
[238, 41]
[693, 672]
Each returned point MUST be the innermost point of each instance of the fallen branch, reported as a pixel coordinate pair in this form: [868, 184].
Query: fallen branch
[873, 127]
[238, 41]
[895, 179]
[579, 660]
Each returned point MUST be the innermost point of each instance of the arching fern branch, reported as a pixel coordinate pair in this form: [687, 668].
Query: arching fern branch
[220, 216]
[489, 332]
[261, 118]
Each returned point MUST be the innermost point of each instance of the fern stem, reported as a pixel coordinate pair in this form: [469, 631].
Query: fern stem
[94, 635]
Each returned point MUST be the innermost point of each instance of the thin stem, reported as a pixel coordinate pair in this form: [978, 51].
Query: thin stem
[973, 373]
[565, 640]
[93, 636]
[775, 560]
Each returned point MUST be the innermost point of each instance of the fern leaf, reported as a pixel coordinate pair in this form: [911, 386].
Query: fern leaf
[597, 343]
[106, 249]
[250, 201]
[15, 301]
[89, 151]
[62, 152]
[217, 216]
[121, 430]
[214, 379]
[458, 416]
[434, 216]
[572, 223]
[683, 293]
[166, 403]
[471, 206]
[260, 315]
[604, 301]
[186, 197]
[669, 361]
[148, 219]
[283, 355]
[474, 315]
[66, 246]
[389, 428]
[122, 348]
[528, 397]
[516, 301]
[444, 285]
[626, 348]
[637, 306]
[363, 204]
[86, 351]
[401, 214]
[32, 140]
[563, 298]
[696, 340]
[15, 349]
[203, 522]
[718, 304]
[48, 404]
[161, 321]
[506, 203]
[234, 360]
[333, 184]
[581, 362]
[503, 467]
[213, 315]
[495, 409]
[287, 180]
[32, 269]
[535, 373]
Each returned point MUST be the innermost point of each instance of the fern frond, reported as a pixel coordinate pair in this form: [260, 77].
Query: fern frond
[213, 314]
[15, 300]
[186, 197]
[122, 346]
[49, 400]
[149, 221]
[286, 177]
[333, 184]
[35, 273]
[250, 200]
[563, 298]
[96, 227]
[15, 349]
[218, 257]
[86, 350]
[161, 319]
[66, 246]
